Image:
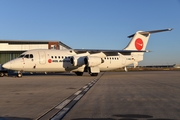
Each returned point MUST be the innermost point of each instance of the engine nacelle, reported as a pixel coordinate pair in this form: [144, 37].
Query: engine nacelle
[77, 60]
[92, 61]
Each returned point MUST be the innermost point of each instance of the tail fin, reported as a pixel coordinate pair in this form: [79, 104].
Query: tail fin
[140, 39]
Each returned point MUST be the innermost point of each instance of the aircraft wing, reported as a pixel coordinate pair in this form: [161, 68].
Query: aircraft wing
[107, 52]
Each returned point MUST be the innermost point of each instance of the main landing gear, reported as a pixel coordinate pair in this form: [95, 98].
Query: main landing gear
[79, 73]
[2, 74]
[94, 74]
[19, 75]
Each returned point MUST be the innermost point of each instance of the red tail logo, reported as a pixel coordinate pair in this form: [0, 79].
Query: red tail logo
[139, 44]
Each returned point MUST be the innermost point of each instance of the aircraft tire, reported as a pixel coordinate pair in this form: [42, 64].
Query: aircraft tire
[19, 75]
[94, 74]
[1, 74]
[79, 73]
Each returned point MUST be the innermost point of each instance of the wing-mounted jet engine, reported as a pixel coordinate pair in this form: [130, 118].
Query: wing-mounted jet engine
[92, 63]
[77, 60]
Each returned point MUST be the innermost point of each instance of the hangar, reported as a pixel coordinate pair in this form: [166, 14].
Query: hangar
[10, 49]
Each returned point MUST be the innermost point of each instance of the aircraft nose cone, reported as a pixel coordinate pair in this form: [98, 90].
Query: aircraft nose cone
[7, 65]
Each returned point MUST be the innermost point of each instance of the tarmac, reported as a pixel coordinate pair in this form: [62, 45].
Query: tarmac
[140, 95]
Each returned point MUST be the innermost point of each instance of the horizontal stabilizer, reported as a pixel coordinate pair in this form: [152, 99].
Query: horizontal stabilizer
[150, 32]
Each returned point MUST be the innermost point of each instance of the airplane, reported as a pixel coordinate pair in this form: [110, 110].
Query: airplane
[82, 60]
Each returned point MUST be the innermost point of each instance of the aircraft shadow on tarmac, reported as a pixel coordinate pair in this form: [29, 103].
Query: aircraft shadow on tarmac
[42, 74]
[126, 117]
[14, 118]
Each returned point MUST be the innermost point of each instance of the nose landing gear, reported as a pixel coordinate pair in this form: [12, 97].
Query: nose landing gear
[19, 74]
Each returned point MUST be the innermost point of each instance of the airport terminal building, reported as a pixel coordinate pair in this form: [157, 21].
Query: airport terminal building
[10, 49]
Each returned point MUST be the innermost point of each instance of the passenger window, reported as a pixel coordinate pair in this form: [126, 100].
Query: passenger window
[55, 56]
[51, 56]
[31, 55]
[59, 57]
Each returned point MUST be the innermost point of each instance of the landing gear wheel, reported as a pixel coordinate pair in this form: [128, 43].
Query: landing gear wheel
[6, 74]
[1, 74]
[79, 73]
[19, 75]
[94, 74]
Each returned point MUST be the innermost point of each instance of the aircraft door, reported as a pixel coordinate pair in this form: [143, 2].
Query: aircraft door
[42, 57]
[123, 60]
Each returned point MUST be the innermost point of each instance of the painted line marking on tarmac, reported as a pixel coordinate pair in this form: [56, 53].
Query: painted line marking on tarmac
[78, 97]
[77, 93]
[86, 89]
[58, 112]
[63, 104]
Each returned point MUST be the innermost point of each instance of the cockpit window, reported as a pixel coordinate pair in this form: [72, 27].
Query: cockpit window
[21, 56]
[26, 56]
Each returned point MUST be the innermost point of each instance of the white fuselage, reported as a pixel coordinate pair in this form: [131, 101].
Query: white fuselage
[60, 61]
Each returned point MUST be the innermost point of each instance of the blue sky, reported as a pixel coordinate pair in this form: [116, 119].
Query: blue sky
[95, 24]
